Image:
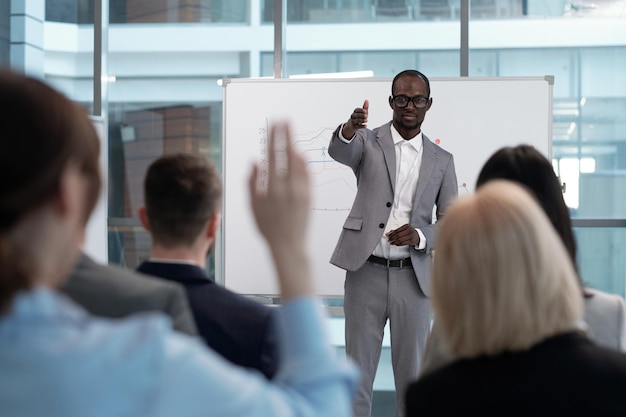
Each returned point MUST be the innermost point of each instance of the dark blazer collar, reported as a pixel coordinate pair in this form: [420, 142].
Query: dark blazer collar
[181, 272]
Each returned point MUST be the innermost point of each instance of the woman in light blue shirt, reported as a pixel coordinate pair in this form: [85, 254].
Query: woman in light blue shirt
[56, 360]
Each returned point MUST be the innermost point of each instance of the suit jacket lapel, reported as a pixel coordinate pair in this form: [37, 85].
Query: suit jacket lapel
[429, 160]
[386, 143]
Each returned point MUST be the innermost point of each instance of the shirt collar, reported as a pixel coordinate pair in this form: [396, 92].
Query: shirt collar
[172, 261]
[416, 141]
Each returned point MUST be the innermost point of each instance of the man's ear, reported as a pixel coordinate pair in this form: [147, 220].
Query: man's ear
[143, 216]
[213, 225]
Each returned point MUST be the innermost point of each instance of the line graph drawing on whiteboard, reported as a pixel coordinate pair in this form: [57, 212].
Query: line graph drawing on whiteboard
[334, 184]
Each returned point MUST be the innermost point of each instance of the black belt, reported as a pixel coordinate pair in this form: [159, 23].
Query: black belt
[396, 263]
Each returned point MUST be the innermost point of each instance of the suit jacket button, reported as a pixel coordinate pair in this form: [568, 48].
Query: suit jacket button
[382, 225]
[388, 204]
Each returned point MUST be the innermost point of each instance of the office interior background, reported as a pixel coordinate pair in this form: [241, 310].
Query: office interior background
[163, 59]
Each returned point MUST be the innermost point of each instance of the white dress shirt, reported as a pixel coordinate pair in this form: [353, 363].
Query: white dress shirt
[408, 163]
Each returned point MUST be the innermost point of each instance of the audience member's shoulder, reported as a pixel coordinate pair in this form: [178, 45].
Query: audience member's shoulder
[91, 272]
[231, 297]
[602, 362]
[601, 298]
[605, 316]
[603, 309]
[142, 333]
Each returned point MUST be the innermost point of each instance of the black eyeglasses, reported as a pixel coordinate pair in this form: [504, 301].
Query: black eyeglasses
[418, 101]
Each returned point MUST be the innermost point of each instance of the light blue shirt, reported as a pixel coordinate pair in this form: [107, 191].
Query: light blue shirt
[56, 360]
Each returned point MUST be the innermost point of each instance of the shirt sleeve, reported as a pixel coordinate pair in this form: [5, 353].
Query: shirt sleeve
[422, 244]
[312, 379]
[340, 135]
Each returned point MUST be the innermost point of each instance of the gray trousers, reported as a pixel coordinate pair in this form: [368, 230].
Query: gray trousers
[373, 295]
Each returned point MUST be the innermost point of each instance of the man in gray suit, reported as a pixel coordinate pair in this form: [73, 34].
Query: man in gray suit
[109, 291]
[388, 238]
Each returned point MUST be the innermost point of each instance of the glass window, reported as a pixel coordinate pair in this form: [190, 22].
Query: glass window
[155, 11]
[602, 257]
[179, 11]
[139, 133]
[329, 11]
[165, 99]
[5, 33]
[589, 117]
[382, 64]
[69, 11]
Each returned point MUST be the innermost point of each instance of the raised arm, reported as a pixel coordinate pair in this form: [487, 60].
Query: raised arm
[282, 213]
[343, 146]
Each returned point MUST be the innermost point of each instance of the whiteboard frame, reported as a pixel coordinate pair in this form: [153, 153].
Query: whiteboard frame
[221, 270]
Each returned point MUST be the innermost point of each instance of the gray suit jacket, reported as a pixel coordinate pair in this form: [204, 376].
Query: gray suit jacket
[109, 291]
[372, 157]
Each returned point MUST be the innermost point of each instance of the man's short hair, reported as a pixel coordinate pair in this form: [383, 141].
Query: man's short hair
[410, 73]
[181, 193]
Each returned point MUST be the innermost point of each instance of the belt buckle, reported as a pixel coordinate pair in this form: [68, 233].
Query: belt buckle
[401, 262]
[388, 263]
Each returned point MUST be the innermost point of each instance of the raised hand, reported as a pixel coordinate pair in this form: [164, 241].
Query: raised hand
[282, 211]
[358, 120]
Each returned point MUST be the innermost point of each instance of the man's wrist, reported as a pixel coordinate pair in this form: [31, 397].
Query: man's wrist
[343, 136]
[421, 244]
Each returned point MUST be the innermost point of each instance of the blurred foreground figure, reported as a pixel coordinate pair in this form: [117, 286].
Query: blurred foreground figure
[57, 360]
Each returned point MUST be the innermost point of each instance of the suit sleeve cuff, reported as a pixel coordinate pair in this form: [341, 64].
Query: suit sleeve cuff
[422, 244]
[340, 134]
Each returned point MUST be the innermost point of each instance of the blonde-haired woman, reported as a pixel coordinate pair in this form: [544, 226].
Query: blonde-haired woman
[509, 308]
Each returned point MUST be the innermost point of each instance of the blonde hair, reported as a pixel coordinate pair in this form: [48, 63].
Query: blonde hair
[502, 279]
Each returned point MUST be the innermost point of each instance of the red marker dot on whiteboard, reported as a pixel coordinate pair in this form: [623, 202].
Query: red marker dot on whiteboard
[464, 185]
[437, 141]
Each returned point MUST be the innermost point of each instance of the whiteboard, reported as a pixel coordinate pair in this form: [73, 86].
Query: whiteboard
[470, 117]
